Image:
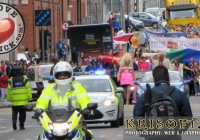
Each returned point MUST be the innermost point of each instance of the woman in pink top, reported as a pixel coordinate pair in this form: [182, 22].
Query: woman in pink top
[126, 75]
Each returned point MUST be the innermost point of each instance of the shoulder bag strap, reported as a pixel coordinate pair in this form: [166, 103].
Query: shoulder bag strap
[147, 96]
[169, 90]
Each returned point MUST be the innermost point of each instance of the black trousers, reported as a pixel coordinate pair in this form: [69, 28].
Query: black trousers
[39, 92]
[116, 30]
[22, 115]
[192, 88]
[126, 28]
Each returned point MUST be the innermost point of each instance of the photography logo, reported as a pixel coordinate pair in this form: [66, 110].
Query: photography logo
[12, 28]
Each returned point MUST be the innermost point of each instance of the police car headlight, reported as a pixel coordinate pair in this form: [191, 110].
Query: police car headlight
[181, 88]
[140, 91]
[60, 129]
[107, 102]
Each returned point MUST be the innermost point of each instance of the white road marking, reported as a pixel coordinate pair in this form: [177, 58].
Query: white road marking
[2, 127]
[119, 135]
[6, 131]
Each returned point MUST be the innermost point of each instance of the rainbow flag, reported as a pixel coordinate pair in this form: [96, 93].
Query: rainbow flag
[195, 28]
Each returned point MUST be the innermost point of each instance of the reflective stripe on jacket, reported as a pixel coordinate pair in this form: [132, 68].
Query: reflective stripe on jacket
[77, 94]
[19, 95]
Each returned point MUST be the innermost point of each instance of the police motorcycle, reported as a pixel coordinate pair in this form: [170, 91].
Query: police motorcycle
[60, 123]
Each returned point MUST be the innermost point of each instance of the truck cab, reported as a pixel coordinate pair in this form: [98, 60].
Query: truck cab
[179, 12]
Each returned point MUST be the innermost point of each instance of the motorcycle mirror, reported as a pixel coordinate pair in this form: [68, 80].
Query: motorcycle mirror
[28, 107]
[92, 106]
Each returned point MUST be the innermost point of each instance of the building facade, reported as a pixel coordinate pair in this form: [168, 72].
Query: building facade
[61, 10]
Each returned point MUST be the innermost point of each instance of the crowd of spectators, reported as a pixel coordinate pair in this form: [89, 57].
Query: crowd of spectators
[190, 29]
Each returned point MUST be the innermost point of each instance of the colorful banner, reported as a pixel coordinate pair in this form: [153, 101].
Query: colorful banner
[171, 34]
[168, 43]
[119, 42]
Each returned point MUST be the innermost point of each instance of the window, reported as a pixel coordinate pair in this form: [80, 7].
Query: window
[183, 14]
[96, 85]
[144, 16]
[135, 15]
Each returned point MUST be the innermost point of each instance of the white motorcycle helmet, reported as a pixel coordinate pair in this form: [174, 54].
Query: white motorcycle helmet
[63, 73]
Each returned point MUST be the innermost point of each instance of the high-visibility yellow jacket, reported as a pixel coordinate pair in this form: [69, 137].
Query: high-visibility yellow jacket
[76, 94]
[19, 91]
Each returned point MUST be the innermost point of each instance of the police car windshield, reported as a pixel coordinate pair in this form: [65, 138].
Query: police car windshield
[96, 85]
[174, 78]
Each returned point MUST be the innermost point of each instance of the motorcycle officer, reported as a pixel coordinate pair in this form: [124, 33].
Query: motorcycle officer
[19, 92]
[63, 90]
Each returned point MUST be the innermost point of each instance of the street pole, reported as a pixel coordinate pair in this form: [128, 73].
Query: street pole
[43, 50]
[111, 7]
[48, 51]
[122, 14]
[66, 42]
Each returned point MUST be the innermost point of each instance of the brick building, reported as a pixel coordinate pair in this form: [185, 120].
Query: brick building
[61, 10]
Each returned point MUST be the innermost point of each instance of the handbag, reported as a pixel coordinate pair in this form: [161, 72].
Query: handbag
[40, 85]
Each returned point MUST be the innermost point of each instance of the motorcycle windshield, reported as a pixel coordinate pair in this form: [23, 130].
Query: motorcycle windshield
[59, 114]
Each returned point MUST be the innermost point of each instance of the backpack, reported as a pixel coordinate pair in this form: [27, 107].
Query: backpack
[160, 105]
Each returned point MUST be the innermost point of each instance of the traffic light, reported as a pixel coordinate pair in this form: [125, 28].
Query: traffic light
[47, 39]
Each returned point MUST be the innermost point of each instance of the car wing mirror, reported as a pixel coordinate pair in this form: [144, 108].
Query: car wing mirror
[92, 106]
[119, 89]
[28, 107]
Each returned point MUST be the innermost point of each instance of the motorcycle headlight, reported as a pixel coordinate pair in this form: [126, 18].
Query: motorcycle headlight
[107, 102]
[60, 129]
[140, 91]
[181, 88]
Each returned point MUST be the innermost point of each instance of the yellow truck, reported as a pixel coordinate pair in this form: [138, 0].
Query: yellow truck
[182, 12]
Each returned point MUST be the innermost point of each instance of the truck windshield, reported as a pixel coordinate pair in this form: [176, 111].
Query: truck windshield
[183, 14]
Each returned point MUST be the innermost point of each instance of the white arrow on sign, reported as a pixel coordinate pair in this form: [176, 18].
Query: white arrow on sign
[65, 26]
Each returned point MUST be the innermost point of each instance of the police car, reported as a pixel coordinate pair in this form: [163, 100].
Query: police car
[102, 90]
[31, 76]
